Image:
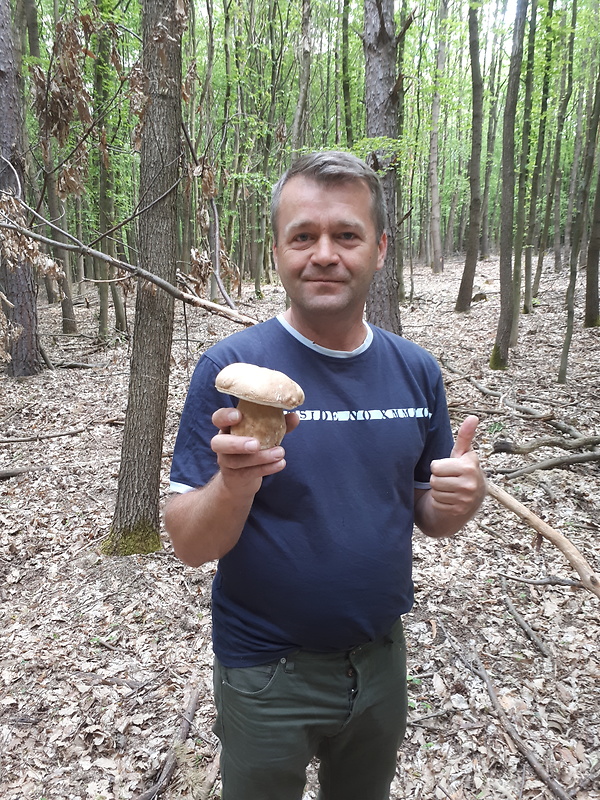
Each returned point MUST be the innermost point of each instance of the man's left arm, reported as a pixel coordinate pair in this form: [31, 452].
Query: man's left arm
[457, 487]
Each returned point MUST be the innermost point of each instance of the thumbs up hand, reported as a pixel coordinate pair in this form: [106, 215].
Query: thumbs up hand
[458, 483]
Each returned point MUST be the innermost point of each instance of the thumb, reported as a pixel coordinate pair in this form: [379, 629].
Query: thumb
[464, 437]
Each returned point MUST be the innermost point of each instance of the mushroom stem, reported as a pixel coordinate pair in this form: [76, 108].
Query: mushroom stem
[265, 423]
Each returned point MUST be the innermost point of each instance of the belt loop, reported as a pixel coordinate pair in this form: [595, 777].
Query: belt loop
[289, 665]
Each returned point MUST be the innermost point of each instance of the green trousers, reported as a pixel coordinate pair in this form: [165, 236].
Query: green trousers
[348, 709]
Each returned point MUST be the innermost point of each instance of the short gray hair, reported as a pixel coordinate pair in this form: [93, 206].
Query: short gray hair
[334, 167]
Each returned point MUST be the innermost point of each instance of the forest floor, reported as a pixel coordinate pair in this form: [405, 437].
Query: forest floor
[101, 659]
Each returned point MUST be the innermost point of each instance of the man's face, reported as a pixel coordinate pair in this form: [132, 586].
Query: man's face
[327, 248]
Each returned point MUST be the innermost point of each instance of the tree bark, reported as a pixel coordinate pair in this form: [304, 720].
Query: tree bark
[299, 121]
[346, 75]
[578, 228]
[437, 264]
[136, 521]
[16, 270]
[560, 124]
[592, 315]
[499, 357]
[380, 47]
[523, 175]
[465, 292]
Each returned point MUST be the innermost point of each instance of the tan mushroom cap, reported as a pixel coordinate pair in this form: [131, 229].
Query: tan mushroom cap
[265, 387]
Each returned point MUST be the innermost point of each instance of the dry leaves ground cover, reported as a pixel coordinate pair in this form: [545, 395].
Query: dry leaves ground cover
[99, 657]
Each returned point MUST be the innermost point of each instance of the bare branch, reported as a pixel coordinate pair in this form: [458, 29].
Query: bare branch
[588, 578]
[138, 272]
[550, 463]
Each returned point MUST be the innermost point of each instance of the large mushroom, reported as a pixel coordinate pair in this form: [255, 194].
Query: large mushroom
[263, 395]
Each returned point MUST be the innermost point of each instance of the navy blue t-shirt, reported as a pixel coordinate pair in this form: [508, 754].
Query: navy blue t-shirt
[325, 559]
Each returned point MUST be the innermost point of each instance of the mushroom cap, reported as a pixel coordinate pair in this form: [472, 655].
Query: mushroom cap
[266, 387]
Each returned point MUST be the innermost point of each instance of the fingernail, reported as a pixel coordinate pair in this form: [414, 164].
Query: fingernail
[278, 453]
[252, 446]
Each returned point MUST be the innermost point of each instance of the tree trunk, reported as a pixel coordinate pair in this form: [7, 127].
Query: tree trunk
[381, 98]
[493, 91]
[592, 315]
[434, 185]
[578, 228]
[299, 122]
[105, 192]
[16, 273]
[560, 124]
[499, 356]
[465, 292]
[136, 521]
[346, 75]
[532, 221]
[523, 175]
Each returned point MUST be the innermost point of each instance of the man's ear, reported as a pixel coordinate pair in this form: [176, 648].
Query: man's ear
[382, 250]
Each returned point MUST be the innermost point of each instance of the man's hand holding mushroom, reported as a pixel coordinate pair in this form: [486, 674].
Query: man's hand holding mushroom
[258, 424]
[206, 523]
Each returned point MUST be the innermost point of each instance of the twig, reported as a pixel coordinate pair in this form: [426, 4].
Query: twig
[43, 436]
[549, 580]
[170, 763]
[211, 776]
[5, 474]
[502, 446]
[550, 463]
[530, 412]
[588, 578]
[474, 665]
[522, 622]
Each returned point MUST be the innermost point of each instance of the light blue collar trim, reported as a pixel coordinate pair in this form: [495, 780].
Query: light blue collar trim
[325, 350]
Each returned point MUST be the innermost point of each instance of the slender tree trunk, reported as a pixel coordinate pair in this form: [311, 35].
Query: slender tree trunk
[434, 184]
[592, 315]
[523, 174]
[537, 169]
[136, 521]
[299, 121]
[557, 230]
[499, 356]
[578, 228]
[493, 91]
[346, 75]
[465, 292]
[560, 124]
[381, 98]
[577, 146]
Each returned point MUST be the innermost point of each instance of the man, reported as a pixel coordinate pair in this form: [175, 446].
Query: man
[314, 543]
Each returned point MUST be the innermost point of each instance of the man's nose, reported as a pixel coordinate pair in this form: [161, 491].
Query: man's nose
[325, 251]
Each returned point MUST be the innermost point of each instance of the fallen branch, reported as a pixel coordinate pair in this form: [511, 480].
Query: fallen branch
[473, 664]
[5, 474]
[549, 580]
[522, 622]
[588, 578]
[502, 446]
[168, 767]
[39, 436]
[211, 776]
[526, 410]
[550, 463]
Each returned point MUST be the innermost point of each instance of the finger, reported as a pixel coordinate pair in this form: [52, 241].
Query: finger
[292, 420]
[224, 418]
[464, 437]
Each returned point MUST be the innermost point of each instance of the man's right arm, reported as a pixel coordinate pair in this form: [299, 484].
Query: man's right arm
[204, 524]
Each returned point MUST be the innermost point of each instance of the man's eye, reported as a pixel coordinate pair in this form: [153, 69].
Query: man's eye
[302, 237]
[348, 236]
